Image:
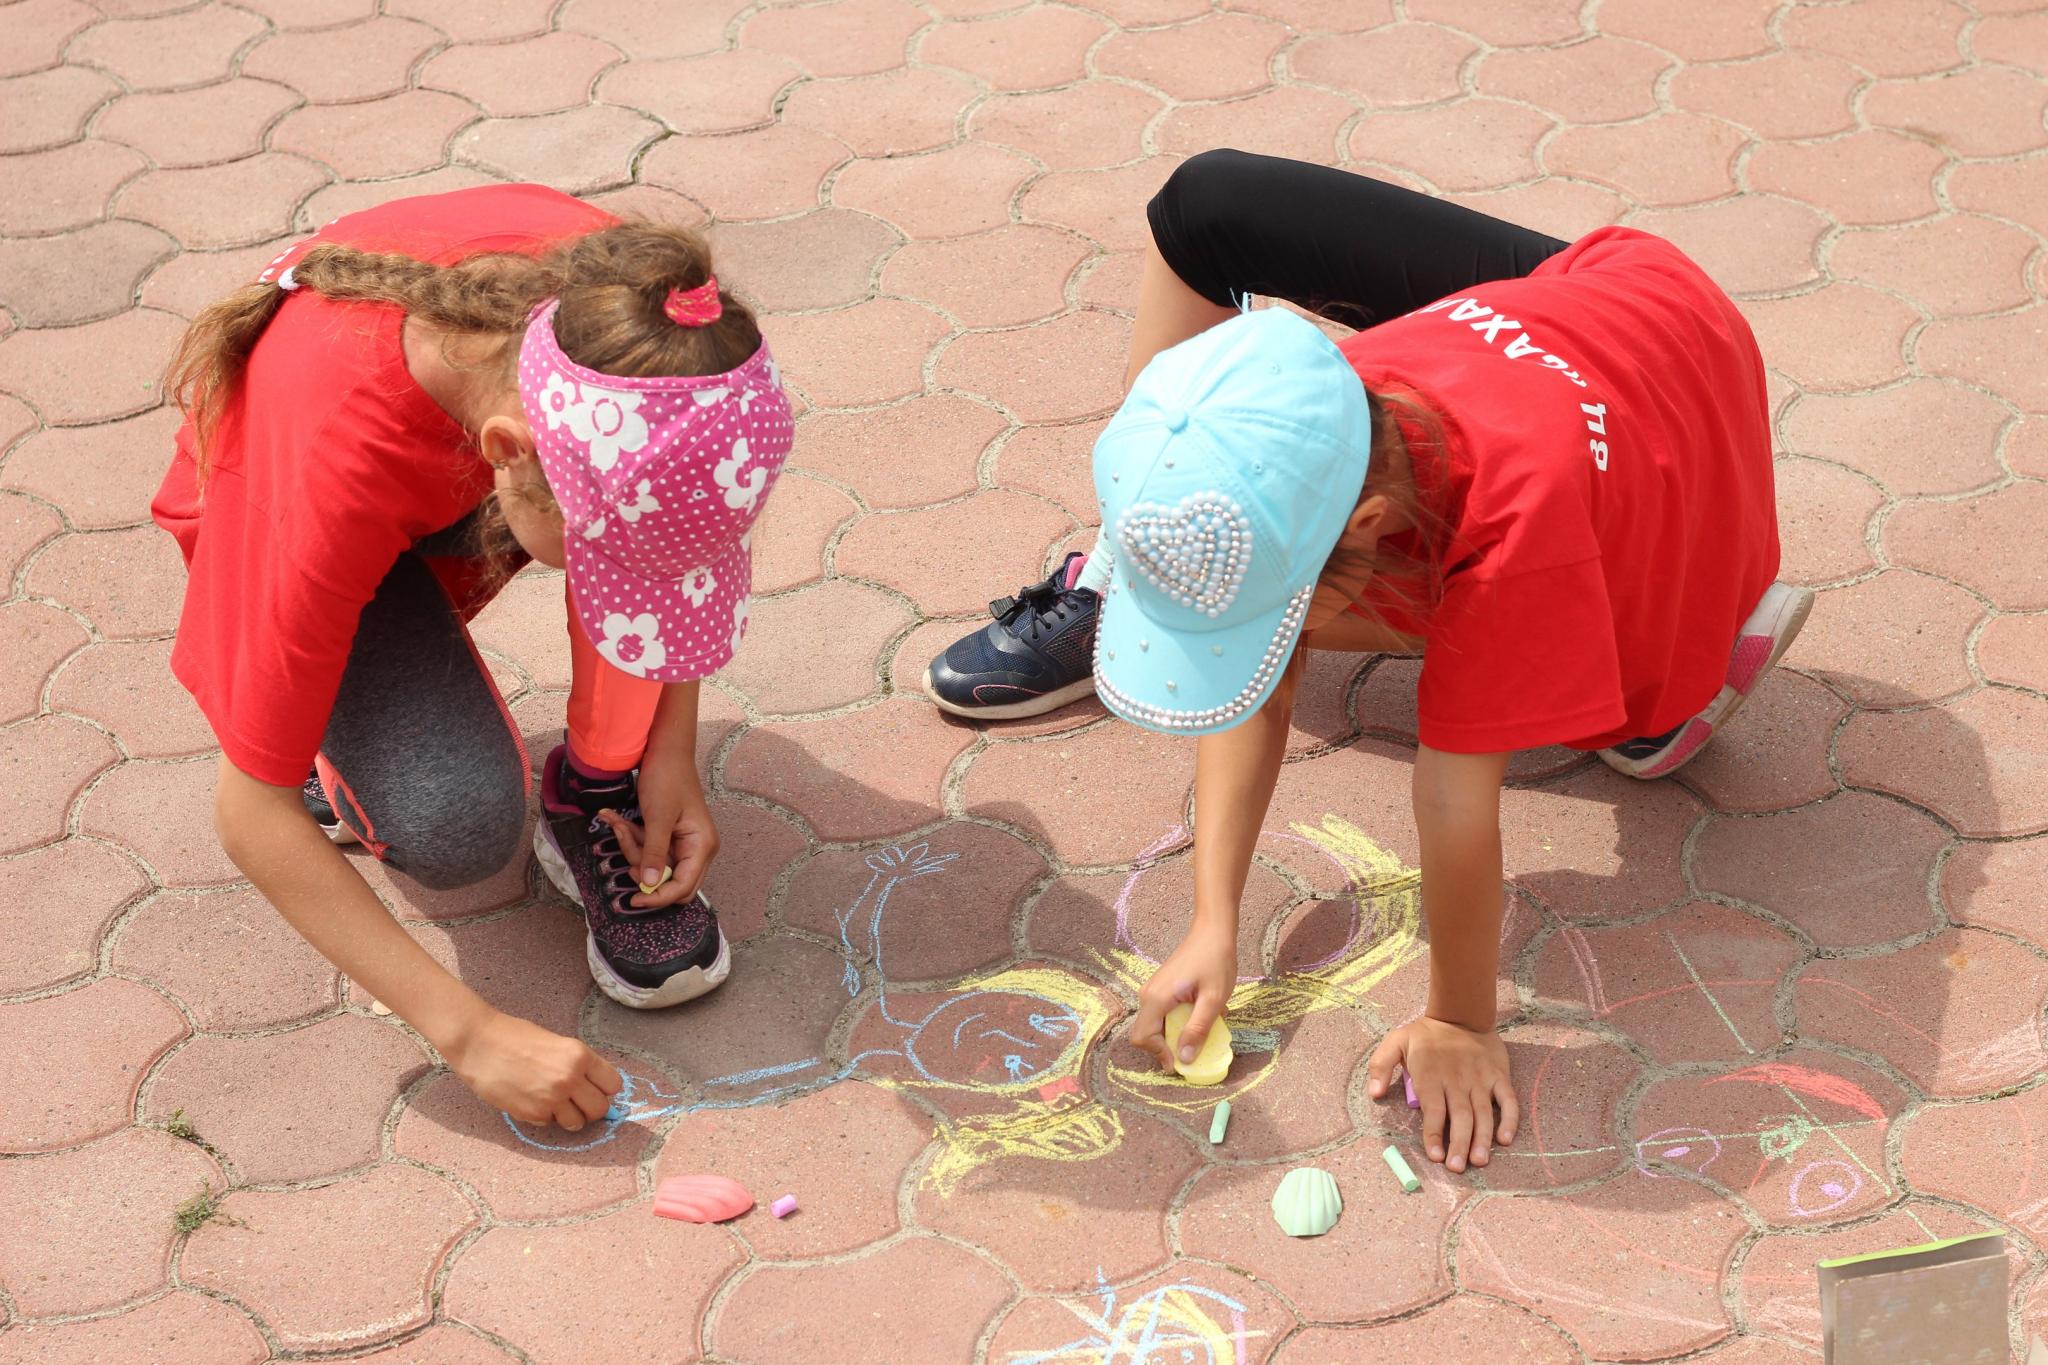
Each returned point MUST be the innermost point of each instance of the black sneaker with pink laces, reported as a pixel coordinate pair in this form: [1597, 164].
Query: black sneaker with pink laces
[644, 959]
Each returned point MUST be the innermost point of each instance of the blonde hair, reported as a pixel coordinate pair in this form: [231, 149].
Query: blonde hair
[1407, 461]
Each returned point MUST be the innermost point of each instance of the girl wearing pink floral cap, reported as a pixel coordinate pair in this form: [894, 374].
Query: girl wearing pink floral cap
[402, 411]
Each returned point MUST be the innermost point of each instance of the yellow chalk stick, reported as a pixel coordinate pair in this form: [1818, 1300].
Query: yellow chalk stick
[666, 873]
[1212, 1064]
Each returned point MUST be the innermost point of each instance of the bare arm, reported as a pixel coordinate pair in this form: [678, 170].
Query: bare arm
[1457, 813]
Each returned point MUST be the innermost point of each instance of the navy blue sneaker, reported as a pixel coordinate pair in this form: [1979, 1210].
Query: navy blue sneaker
[645, 959]
[1036, 656]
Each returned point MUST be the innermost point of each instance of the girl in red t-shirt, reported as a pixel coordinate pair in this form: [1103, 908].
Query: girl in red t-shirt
[1545, 467]
[396, 416]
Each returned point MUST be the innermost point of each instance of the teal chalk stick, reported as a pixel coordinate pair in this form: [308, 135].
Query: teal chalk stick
[1399, 1166]
[1219, 1123]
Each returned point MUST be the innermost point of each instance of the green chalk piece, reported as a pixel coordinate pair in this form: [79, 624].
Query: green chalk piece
[1219, 1123]
[1399, 1166]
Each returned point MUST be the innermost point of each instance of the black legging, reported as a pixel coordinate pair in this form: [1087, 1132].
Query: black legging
[1355, 250]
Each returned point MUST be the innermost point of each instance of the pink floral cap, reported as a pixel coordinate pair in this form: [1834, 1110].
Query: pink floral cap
[660, 481]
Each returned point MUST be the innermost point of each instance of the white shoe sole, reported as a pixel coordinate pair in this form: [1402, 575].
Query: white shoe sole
[683, 986]
[1016, 710]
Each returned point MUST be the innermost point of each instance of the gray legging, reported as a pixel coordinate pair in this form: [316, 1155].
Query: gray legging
[422, 759]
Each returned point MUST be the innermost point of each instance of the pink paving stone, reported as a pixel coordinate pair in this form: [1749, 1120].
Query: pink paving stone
[1094, 123]
[1384, 1256]
[1597, 81]
[1883, 434]
[1143, 915]
[24, 525]
[199, 127]
[1334, 16]
[1982, 542]
[1068, 368]
[1776, 1282]
[891, 336]
[37, 639]
[758, 174]
[789, 543]
[344, 197]
[526, 621]
[1562, 208]
[1894, 640]
[786, 669]
[647, 201]
[1464, 1328]
[755, 846]
[1823, 513]
[291, 1106]
[1474, 144]
[2014, 650]
[441, 1344]
[93, 372]
[1850, 871]
[1500, 25]
[1786, 95]
[1570, 1084]
[16, 421]
[577, 150]
[50, 107]
[1143, 13]
[92, 1227]
[861, 775]
[346, 1264]
[1958, 1013]
[78, 277]
[304, 14]
[1641, 978]
[1285, 1102]
[1976, 351]
[1630, 1268]
[941, 924]
[358, 62]
[821, 259]
[190, 48]
[1176, 1305]
[44, 764]
[652, 28]
[101, 476]
[1028, 50]
[854, 1312]
[719, 92]
[395, 135]
[902, 456]
[962, 189]
[1012, 275]
[1982, 111]
[529, 964]
[233, 204]
[37, 32]
[1886, 37]
[2020, 39]
[228, 957]
[891, 114]
[1106, 206]
[1952, 265]
[128, 687]
[478, 20]
[164, 812]
[1749, 244]
[790, 994]
[839, 38]
[1055, 1233]
[58, 937]
[180, 1326]
[1054, 462]
[1670, 159]
[1094, 799]
[1987, 1154]
[1284, 121]
[65, 187]
[1387, 67]
[1596, 844]
[535, 75]
[1773, 755]
[447, 1127]
[1874, 176]
[1977, 763]
[658, 1276]
[100, 1038]
[1737, 28]
[810, 1146]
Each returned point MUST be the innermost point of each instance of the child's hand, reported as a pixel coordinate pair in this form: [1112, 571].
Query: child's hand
[1200, 973]
[1459, 1076]
[677, 833]
[534, 1075]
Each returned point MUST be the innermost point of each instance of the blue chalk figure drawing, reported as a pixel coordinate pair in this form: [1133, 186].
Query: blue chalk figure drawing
[1175, 1324]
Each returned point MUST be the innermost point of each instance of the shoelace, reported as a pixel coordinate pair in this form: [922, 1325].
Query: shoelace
[617, 877]
[1041, 600]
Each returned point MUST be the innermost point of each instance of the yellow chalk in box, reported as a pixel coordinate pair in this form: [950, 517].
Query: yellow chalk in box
[1212, 1063]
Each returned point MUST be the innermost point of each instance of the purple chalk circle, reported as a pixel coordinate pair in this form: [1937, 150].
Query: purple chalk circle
[1408, 1085]
[784, 1206]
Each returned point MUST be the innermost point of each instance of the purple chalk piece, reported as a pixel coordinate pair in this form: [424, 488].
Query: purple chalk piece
[1408, 1084]
[784, 1206]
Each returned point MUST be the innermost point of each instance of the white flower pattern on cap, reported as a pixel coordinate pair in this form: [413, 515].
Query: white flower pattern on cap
[697, 586]
[740, 494]
[634, 645]
[741, 610]
[643, 502]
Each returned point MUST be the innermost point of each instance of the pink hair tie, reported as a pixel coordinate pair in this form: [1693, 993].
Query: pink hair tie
[697, 307]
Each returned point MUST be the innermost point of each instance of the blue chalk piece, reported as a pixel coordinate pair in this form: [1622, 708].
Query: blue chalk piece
[616, 1114]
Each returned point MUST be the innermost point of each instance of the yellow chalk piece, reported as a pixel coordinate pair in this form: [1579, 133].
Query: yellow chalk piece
[1212, 1064]
[666, 873]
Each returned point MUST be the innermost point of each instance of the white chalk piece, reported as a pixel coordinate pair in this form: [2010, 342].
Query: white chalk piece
[1219, 1123]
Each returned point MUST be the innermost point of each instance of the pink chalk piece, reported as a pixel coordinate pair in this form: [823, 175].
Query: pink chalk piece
[701, 1198]
[784, 1206]
[1408, 1086]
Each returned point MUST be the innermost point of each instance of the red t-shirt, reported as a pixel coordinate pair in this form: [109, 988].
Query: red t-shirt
[328, 463]
[1607, 488]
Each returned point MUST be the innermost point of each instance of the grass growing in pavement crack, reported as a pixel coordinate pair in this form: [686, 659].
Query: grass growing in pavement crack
[180, 1127]
[201, 1209]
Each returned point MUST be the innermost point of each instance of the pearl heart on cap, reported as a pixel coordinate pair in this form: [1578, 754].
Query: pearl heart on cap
[1196, 553]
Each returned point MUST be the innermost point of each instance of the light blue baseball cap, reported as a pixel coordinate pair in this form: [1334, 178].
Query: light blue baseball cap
[1225, 480]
